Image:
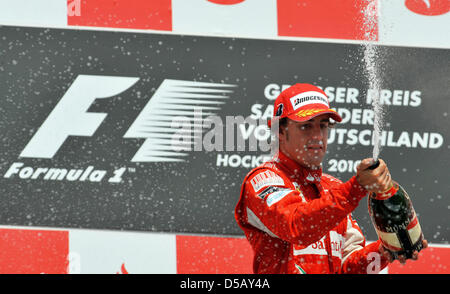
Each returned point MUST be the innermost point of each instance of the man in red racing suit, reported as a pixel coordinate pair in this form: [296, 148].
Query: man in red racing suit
[297, 219]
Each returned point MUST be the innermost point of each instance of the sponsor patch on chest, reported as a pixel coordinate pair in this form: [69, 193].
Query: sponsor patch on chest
[266, 179]
[277, 196]
[336, 243]
[269, 190]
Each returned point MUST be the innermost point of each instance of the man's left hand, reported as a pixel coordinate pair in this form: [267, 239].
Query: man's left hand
[401, 258]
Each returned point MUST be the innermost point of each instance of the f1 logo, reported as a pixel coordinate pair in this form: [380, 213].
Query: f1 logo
[172, 99]
[70, 116]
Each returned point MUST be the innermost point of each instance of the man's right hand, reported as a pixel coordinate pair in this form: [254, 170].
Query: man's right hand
[376, 180]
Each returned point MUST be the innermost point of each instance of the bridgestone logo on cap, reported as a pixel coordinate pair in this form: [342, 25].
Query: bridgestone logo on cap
[311, 97]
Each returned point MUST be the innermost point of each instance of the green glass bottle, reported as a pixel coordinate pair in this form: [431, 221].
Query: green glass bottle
[395, 221]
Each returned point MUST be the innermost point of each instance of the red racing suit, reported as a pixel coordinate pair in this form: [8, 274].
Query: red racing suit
[299, 221]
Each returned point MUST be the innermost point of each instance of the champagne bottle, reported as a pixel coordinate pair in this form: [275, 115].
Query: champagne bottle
[395, 220]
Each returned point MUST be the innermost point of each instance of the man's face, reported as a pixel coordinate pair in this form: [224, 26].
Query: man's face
[306, 142]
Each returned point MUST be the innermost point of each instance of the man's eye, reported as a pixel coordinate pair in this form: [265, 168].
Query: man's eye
[324, 126]
[305, 127]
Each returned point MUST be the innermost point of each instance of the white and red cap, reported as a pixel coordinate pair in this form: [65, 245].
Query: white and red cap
[302, 102]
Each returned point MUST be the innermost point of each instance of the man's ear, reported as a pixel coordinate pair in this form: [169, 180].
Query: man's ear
[283, 130]
[282, 134]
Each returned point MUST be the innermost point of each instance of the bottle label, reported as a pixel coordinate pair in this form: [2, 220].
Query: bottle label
[415, 232]
[391, 240]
